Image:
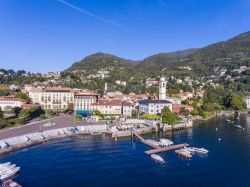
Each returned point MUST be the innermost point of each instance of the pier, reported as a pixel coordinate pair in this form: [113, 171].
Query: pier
[167, 148]
[158, 149]
[145, 142]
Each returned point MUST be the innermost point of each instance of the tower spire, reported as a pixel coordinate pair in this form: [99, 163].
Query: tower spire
[162, 88]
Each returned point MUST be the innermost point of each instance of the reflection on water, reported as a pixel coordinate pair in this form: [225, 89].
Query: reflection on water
[99, 161]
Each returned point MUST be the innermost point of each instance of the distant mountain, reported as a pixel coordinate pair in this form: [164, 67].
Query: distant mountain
[229, 54]
[100, 61]
[158, 62]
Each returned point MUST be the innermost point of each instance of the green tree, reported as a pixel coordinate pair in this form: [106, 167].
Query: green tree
[185, 102]
[195, 112]
[1, 114]
[237, 102]
[134, 113]
[185, 112]
[70, 108]
[97, 112]
[16, 110]
[22, 96]
[208, 107]
[168, 117]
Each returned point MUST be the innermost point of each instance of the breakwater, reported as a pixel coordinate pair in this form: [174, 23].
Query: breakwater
[27, 140]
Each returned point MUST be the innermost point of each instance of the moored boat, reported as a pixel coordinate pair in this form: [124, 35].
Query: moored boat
[10, 183]
[184, 153]
[157, 158]
[153, 142]
[165, 142]
[238, 126]
[9, 172]
[197, 150]
[5, 164]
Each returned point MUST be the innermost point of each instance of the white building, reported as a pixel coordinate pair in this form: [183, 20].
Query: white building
[247, 100]
[113, 107]
[9, 102]
[162, 88]
[156, 106]
[53, 98]
[35, 95]
[84, 99]
[153, 106]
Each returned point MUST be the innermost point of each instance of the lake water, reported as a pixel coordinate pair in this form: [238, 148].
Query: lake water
[99, 161]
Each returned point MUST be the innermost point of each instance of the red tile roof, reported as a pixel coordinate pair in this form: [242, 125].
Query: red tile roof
[59, 89]
[112, 103]
[10, 98]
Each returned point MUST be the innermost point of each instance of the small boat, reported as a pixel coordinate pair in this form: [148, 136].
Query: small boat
[153, 142]
[9, 169]
[238, 126]
[25, 138]
[186, 149]
[10, 183]
[7, 176]
[9, 173]
[5, 164]
[157, 158]
[3, 145]
[6, 168]
[200, 150]
[227, 120]
[165, 142]
[237, 118]
[184, 153]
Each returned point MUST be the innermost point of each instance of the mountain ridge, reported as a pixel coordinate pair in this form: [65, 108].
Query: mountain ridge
[228, 53]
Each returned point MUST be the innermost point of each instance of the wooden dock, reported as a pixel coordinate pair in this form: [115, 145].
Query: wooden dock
[167, 148]
[146, 142]
[158, 149]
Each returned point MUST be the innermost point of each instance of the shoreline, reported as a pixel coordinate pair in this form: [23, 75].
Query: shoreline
[222, 113]
[38, 137]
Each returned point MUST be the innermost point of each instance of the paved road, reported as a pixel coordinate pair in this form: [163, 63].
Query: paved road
[61, 121]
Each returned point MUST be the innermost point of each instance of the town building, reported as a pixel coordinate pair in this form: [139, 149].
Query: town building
[35, 95]
[178, 108]
[116, 107]
[83, 101]
[9, 102]
[153, 106]
[56, 98]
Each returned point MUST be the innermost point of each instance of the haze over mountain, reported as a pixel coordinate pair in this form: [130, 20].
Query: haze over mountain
[229, 54]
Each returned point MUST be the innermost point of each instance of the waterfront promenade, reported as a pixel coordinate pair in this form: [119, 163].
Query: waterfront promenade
[61, 122]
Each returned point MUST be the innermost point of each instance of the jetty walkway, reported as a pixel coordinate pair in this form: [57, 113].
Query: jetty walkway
[158, 149]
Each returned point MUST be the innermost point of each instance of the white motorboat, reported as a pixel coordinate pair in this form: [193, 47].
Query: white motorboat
[157, 158]
[238, 126]
[25, 138]
[7, 167]
[153, 142]
[184, 153]
[5, 164]
[3, 145]
[9, 173]
[166, 142]
[198, 150]
[186, 149]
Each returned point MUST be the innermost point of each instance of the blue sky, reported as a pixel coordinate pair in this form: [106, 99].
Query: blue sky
[49, 35]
